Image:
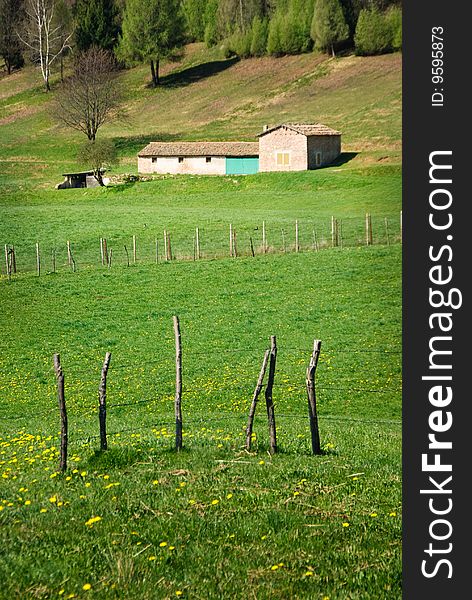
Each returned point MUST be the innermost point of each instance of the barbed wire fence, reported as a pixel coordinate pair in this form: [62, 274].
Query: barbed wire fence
[192, 418]
[213, 241]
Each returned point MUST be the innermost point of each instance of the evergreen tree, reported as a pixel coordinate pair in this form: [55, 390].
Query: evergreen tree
[374, 34]
[329, 26]
[211, 27]
[11, 12]
[97, 24]
[151, 30]
[195, 15]
[259, 33]
[274, 40]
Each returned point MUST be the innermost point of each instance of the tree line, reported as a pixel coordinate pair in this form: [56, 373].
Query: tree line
[136, 31]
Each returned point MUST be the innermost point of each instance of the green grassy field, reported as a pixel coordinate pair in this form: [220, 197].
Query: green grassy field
[214, 521]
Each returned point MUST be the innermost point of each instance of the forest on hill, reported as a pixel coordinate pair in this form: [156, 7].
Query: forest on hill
[45, 32]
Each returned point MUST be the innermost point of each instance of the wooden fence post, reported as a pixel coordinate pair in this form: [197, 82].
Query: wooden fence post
[264, 239]
[297, 243]
[284, 248]
[235, 247]
[38, 260]
[231, 240]
[110, 258]
[7, 262]
[197, 243]
[69, 259]
[13, 258]
[102, 400]
[311, 393]
[178, 385]
[367, 229]
[105, 251]
[101, 252]
[63, 412]
[134, 249]
[255, 397]
[252, 247]
[333, 238]
[371, 239]
[268, 395]
[387, 233]
[169, 247]
[127, 255]
[340, 233]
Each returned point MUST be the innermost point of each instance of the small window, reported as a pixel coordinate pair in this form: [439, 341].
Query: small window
[283, 159]
[318, 159]
[181, 159]
[208, 159]
[154, 159]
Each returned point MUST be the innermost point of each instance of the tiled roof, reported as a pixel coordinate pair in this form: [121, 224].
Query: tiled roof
[201, 149]
[304, 128]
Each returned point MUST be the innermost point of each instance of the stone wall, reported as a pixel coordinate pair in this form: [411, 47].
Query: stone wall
[286, 141]
[195, 165]
[328, 145]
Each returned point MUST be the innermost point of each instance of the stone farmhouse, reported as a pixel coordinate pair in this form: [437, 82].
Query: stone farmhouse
[285, 147]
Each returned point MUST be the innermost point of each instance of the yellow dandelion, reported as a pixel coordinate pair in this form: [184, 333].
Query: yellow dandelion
[308, 573]
[178, 593]
[274, 567]
[345, 524]
[86, 587]
[53, 499]
[214, 502]
[43, 510]
[92, 520]
[155, 482]
[374, 514]
[27, 502]
[163, 544]
[152, 558]
[262, 462]
[229, 496]
[392, 514]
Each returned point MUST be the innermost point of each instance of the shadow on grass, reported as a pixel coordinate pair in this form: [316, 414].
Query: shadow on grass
[197, 73]
[342, 159]
[114, 458]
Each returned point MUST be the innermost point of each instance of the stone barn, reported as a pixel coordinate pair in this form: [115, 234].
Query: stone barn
[298, 147]
[202, 158]
[285, 147]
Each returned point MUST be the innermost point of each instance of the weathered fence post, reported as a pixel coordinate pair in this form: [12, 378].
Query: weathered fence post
[268, 395]
[63, 411]
[110, 258]
[169, 247]
[7, 262]
[252, 246]
[134, 249]
[231, 239]
[178, 385]
[105, 252]
[197, 243]
[255, 397]
[235, 247]
[387, 233]
[311, 393]
[102, 399]
[284, 248]
[297, 243]
[38, 260]
[264, 239]
[101, 251]
[371, 238]
[13, 259]
[69, 258]
[333, 232]
[127, 255]
[340, 233]
[165, 245]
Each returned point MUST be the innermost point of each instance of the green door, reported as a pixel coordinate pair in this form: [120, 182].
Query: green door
[242, 166]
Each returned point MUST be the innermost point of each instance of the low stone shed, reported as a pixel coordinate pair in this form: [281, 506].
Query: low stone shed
[284, 147]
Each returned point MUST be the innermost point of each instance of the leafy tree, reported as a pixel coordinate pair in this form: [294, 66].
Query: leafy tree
[98, 155]
[195, 15]
[151, 30]
[274, 39]
[11, 13]
[91, 96]
[329, 26]
[394, 19]
[373, 33]
[96, 24]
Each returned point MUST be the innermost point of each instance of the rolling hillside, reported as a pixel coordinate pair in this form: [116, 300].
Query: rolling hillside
[205, 96]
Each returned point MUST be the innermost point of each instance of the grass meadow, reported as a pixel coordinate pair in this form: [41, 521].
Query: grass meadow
[140, 521]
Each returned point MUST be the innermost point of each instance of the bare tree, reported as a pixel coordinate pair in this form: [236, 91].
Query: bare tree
[44, 35]
[91, 96]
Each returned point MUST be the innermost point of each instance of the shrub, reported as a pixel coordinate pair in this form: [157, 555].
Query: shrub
[260, 32]
[394, 18]
[274, 41]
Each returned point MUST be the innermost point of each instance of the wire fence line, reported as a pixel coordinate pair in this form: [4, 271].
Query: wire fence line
[213, 240]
